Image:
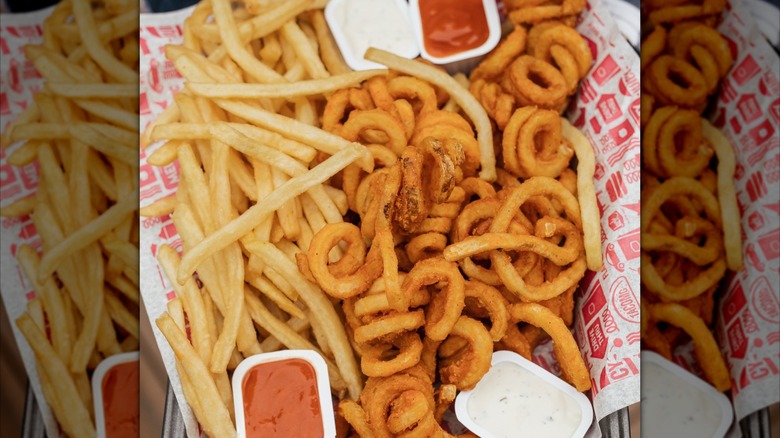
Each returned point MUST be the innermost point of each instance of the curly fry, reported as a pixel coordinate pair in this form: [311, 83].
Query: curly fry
[564, 346]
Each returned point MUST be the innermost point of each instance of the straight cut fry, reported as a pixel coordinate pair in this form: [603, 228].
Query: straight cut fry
[300, 88]
[244, 224]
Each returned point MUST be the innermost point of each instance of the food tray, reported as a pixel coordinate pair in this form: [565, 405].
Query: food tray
[32, 424]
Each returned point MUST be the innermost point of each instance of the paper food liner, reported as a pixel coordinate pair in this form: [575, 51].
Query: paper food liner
[19, 81]
[747, 324]
[606, 110]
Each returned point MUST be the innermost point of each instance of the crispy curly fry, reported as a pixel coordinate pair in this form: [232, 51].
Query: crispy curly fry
[410, 88]
[497, 103]
[564, 47]
[706, 350]
[447, 304]
[732, 235]
[689, 289]
[653, 46]
[499, 59]
[466, 366]
[688, 88]
[481, 298]
[399, 403]
[354, 272]
[533, 81]
[536, 186]
[462, 97]
[385, 327]
[536, 12]
[361, 120]
[356, 417]
[564, 346]
[533, 144]
[409, 348]
[673, 143]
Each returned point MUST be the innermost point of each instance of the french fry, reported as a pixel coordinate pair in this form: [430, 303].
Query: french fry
[86, 235]
[231, 38]
[586, 194]
[307, 55]
[82, 131]
[244, 223]
[93, 91]
[90, 37]
[287, 336]
[215, 415]
[326, 316]
[295, 89]
[25, 154]
[59, 378]
[52, 301]
[20, 207]
[331, 56]
[159, 208]
[727, 198]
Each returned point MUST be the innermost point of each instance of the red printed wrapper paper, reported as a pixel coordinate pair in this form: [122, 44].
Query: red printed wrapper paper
[606, 110]
[748, 320]
[19, 81]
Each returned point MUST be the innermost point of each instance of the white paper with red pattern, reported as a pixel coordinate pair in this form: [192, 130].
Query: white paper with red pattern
[747, 319]
[158, 83]
[19, 81]
[607, 110]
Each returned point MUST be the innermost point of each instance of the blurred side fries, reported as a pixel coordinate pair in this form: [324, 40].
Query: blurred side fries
[82, 129]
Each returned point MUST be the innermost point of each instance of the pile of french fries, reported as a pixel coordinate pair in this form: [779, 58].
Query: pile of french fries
[82, 130]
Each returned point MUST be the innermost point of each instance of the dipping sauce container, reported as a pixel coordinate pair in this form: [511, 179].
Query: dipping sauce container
[283, 394]
[518, 395]
[115, 386]
[678, 403]
[455, 33]
[357, 25]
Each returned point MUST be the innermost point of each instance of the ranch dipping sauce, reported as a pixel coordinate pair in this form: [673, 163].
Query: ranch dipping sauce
[518, 397]
[360, 24]
[511, 399]
[675, 407]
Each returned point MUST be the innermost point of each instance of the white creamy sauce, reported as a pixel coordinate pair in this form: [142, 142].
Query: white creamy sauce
[511, 401]
[674, 407]
[375, 23]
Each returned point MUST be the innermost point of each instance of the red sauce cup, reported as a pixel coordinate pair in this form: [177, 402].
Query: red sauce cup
[456, 34]
[283, 394]
[115, 388]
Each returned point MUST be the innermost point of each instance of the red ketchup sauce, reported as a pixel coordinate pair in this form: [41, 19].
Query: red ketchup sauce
[120, 400]
[453, 26]
[281, 400]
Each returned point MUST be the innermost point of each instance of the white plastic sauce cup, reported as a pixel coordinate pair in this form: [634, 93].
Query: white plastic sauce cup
[97, 385]
[356, 60]
[462, 62]
[705, 388]
[461, 402]
[320, 371]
